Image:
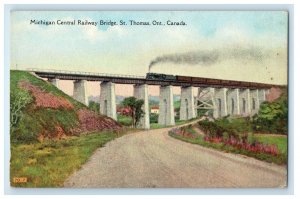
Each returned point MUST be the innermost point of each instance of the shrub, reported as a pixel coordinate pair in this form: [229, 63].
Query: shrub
[218, 128]
[153, 118]
[225, 136]
[19, 99]
[255, 147]
[250, 138]
[272, 116]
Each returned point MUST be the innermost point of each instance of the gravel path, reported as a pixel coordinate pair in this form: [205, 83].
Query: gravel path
[154, 159]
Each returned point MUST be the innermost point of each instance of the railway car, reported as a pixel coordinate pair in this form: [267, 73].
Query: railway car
[160, 77]
[198, 80]
[255, 85]
[183, 78]
[266, 85]
[213, 81]
[261, 85]
[234, 83]
[225, 82]
[245, 84]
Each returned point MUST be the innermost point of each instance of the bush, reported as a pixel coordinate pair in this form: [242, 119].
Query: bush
[218, 128]
[272, 116]
[225, 136]
[19, 99]
[153, 118]
[250, 138]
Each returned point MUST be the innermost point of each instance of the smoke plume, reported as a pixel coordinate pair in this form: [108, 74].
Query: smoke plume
[190, 58]
[207, 58]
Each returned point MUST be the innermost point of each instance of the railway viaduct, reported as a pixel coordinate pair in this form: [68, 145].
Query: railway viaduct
[221, 97]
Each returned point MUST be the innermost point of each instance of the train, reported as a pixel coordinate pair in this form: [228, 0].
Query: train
[201, 80]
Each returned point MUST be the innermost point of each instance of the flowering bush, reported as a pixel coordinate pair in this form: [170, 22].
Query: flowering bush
[240, 144]
[213, 139]
[256, 147]
[224, 131]
[218, 128]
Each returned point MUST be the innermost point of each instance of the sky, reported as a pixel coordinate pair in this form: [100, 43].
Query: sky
[237, 45]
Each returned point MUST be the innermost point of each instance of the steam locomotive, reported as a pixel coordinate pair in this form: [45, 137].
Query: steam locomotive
[161, 77]
[201, 80]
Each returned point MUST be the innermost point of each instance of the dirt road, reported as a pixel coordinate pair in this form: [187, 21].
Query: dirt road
[154, 159]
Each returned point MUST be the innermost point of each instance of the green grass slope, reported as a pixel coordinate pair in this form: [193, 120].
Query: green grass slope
[32, 121]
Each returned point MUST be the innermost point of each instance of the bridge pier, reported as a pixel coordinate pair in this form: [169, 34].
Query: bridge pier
[54, 82]
[254, 95]
[108, 100]
[221, 102]
[80, 91]
[261, 95]
[233, 101]
[245, 106]
[166, 106]
[187, 105]
[141, 92]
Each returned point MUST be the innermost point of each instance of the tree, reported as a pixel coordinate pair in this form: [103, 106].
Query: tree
[135, 106]
[18, 101]
[273, 116]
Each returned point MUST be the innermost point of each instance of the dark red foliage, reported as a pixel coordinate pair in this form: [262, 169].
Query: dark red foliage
[125, 111]
[183, 133]
[213, 139]
[90, 121]
[45, 99]
[256, 147]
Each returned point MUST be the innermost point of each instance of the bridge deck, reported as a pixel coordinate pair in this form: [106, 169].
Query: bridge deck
[129, 79]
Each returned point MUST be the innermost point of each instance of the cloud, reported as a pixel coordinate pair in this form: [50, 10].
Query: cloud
[94, 34]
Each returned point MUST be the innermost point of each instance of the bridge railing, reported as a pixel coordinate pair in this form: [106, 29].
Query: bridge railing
[83, 73]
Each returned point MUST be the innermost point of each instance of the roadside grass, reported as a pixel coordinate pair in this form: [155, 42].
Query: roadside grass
[279, 159]
[49, 163]
[124, 120]
[180, 122]
[279, 140]
[156, 126]
[177, 122]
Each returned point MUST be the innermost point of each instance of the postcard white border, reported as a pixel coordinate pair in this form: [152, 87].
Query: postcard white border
[97, 7]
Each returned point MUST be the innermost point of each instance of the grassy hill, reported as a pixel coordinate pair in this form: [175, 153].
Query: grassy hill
[41, 111]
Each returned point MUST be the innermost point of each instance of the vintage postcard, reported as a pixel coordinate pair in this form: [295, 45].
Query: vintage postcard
[148, 99]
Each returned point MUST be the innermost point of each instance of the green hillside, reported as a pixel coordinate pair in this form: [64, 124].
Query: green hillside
[39, 111]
